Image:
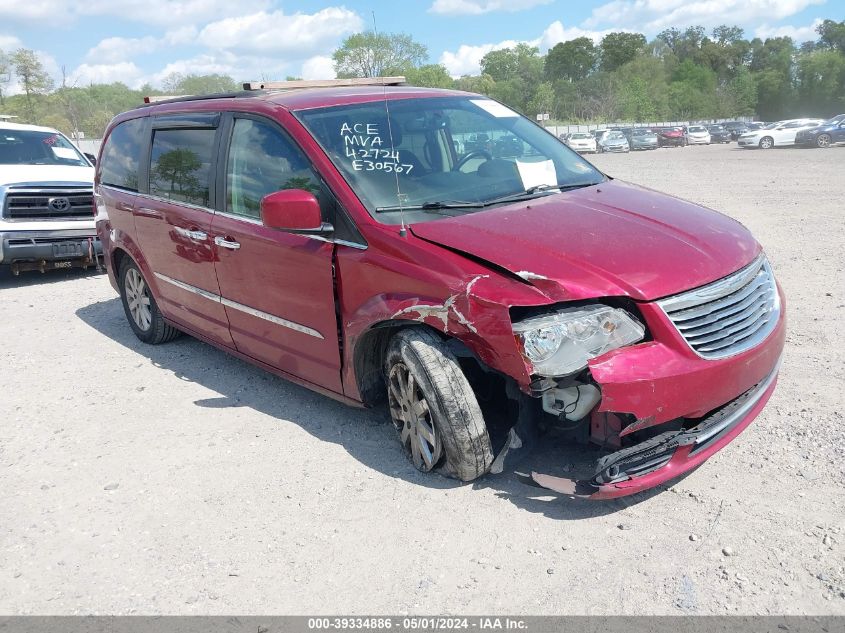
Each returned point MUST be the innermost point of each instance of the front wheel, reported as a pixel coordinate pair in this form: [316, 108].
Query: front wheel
[823, 140]
[140, 306]
[767, 142]
[433, 407]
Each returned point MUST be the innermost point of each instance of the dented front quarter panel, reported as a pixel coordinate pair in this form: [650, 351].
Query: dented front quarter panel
[407, 280]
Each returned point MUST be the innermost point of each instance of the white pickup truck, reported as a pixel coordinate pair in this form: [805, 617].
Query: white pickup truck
[46, 201]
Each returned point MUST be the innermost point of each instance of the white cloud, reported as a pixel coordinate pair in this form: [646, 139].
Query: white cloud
[120, 49]
[38, 11]
[556, 33]
[8, 43]
[125, 72]
[652, 16]
[113, 50]
[467, 59]
[798, 33]
[169, 12]
[297, 35]
[477, 7]
[318, 67]
[160, 12]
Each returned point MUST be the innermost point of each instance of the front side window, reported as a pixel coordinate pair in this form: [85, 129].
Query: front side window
[32, 147]
[262, 160]
[180, 165]
[443, 156]
[122, 155]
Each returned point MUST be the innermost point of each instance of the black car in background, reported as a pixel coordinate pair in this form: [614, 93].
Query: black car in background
[736, 128]
[828, 133]
[719, 134]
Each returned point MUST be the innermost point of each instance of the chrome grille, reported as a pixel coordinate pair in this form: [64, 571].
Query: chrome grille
[35, 204]
[729, 316]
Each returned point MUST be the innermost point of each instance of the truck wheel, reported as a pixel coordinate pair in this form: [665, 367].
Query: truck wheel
[767, 142]
[434, 408]
[140, 307]
[823, 140]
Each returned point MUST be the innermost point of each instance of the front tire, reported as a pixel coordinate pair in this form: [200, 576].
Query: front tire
[767, 142]
[823, 141]
[140, 306]
[434, 408]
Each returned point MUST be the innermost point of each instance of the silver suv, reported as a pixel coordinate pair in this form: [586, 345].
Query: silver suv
[46, 201]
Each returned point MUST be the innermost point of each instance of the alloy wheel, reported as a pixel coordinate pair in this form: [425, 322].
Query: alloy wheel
[138, 299]
[412, 418]
[766, 143]
[823, 140]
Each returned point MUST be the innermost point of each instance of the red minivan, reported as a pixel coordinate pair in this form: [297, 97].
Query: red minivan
[356, 239]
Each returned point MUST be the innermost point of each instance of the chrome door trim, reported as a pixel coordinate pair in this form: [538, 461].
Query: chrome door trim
[272, 318]
[205, 294]
[292, 325]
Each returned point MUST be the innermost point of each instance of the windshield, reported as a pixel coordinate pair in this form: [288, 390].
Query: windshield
[29, 147]
[717, 128]
[840, 118]
[581, 135]
[642, 133]
[696, 128]
[443, 156]
[614, 135]
[771, 126]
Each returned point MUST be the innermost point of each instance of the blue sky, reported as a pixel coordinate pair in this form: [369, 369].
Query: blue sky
[138, 41]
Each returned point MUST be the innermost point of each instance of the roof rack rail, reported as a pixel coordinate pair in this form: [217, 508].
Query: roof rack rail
[324, 83]
[156, 99]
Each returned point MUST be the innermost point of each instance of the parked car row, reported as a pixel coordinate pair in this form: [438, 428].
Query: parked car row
[756, 134]
[785, 133]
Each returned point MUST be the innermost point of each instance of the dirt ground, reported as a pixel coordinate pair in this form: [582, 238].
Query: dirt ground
[178, 480]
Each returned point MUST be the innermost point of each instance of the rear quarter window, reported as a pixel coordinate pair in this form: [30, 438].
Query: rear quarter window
[180, 168]
[122, 155]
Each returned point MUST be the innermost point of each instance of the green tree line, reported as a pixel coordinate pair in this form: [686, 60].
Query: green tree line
[678, 75]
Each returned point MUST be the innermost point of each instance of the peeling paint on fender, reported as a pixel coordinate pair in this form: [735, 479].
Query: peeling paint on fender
[441, 311]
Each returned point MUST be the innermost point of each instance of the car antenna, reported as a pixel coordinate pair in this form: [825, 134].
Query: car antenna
[403, 230]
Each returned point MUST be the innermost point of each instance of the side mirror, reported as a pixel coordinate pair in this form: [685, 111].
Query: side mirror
[294, 211]
[90, 157]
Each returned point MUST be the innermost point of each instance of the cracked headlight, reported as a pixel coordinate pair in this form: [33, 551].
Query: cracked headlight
[561, 343]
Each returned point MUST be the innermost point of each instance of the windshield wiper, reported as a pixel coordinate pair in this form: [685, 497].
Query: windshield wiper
[464, 204]
[532, 191]
[432, 206]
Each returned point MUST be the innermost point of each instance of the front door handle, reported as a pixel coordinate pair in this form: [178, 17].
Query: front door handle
[193, 235]
[232, 245]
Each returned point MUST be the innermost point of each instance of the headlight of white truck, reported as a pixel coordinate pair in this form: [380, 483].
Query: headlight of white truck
[561, 343]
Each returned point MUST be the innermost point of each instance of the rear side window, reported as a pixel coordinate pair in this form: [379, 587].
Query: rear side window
[122, 155]
[180, 165]
[262, 160]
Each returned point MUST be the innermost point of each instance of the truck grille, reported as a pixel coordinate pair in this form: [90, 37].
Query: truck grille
[48, 204]
[729, 316]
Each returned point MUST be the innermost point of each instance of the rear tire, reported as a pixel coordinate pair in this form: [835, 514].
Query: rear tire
[140, 306]
[434, 408]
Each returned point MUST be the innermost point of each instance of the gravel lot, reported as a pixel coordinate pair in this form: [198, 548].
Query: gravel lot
[178, 480]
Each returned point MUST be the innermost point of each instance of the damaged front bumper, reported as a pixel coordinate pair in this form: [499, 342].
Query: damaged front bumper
[668, 455]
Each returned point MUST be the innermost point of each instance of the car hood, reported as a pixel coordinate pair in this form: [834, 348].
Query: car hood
[613, 239]
[614, 141]
[39, 174]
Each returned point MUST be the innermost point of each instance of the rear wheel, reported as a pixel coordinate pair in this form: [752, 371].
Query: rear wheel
[823, 140]
[140, 307]
[767, 142]
[433, 407]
